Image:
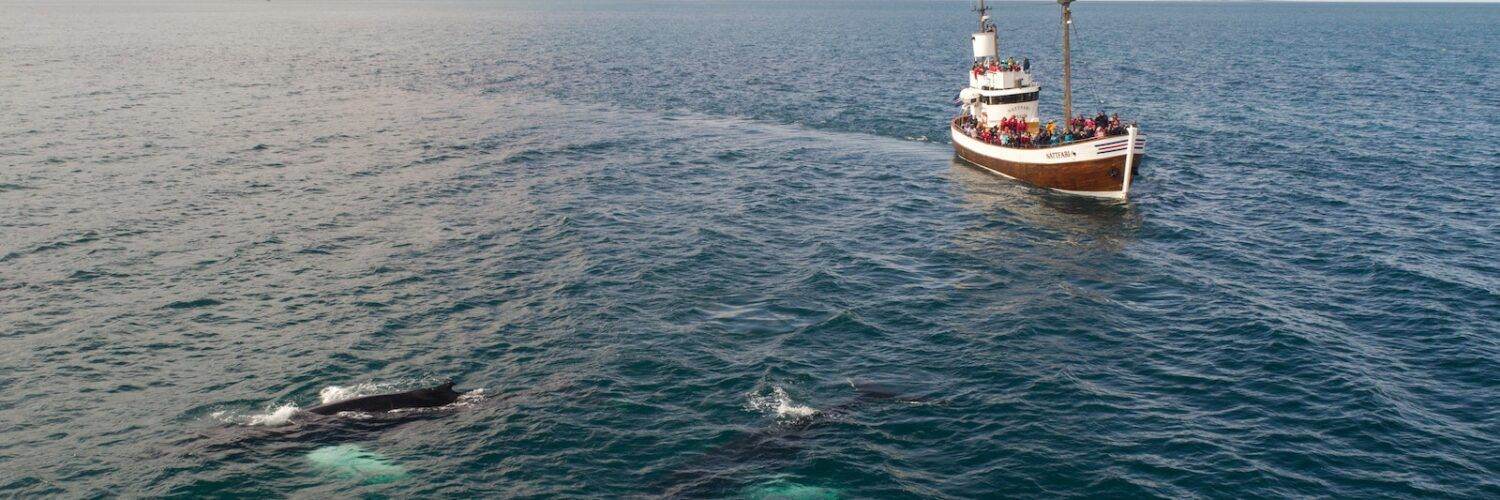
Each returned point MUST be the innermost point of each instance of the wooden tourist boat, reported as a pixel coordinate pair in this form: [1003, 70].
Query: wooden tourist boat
[1100, 167]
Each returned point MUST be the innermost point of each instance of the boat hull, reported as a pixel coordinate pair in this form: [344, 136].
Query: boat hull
[1096, 168]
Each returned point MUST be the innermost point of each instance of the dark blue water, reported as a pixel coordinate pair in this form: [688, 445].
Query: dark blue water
[664, 241]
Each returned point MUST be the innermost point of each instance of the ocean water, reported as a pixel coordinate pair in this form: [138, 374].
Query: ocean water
[664, 243]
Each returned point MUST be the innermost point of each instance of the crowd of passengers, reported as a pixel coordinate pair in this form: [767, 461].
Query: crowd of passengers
[993, 65]
[1015, 132]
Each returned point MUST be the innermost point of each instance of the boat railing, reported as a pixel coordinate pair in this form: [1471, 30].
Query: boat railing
[1006, 79]
[1074, 142]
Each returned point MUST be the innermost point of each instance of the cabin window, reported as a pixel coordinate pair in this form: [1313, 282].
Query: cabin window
[1010, 99]
[1014, 98]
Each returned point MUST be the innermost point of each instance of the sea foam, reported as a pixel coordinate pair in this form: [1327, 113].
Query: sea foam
[273, 417]
[336, 393]
[780, 405]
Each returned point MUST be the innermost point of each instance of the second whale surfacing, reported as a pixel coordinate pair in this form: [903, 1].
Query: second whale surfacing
[715, 473]
[430, 397]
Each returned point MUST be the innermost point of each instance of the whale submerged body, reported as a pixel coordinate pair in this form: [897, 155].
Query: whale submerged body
[350, 461]
[441, 395]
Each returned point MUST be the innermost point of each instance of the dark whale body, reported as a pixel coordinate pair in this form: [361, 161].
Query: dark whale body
[421, 398]
[308, 433]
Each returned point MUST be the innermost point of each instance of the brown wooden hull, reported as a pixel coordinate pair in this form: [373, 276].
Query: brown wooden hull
[1101, 175]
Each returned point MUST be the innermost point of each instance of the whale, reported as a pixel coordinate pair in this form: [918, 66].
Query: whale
[713, 473]
[312, 428]
[430, 397]
[784, 432]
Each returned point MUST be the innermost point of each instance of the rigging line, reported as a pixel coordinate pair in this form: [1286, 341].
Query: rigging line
[1098, 96]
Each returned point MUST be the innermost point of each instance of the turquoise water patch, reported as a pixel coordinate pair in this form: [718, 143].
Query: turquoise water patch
[350, 461]
[782, 490]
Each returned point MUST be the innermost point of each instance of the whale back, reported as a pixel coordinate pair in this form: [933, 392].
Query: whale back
[441, 395]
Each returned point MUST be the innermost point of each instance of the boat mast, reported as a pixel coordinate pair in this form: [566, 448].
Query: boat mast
[1067, 21]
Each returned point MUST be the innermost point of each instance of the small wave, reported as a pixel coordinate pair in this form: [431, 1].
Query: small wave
[918, 138]
[780, 405]
[273, 417]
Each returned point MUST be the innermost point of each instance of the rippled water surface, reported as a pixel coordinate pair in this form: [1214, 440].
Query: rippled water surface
[723, 249]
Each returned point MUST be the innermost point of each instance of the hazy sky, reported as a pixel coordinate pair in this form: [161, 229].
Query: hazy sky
[1271, 1]
[1275, 1]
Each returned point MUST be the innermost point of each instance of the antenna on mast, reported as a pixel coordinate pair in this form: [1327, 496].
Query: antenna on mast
[987, 26]
[984, 17]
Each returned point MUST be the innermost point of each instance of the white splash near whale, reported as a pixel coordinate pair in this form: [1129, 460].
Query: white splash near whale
[779, 405]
